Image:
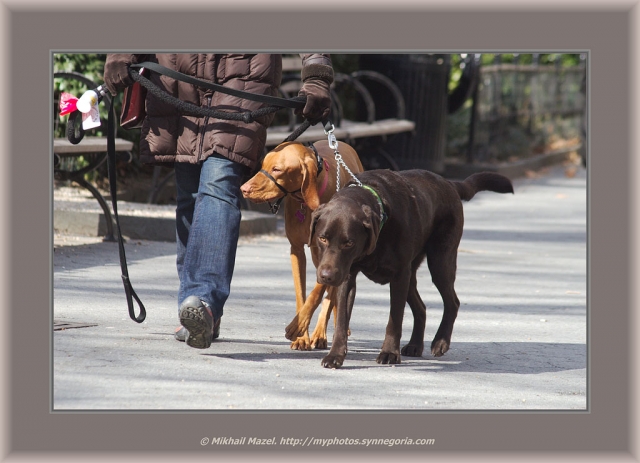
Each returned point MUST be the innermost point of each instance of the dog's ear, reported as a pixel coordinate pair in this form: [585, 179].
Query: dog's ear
[372, 224]
[314, 220]
[309, 190]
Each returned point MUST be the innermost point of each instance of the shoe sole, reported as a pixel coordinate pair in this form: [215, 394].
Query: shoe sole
[199, 330]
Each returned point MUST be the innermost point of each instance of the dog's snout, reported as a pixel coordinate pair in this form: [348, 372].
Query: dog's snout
[246, 189]
[327, 276]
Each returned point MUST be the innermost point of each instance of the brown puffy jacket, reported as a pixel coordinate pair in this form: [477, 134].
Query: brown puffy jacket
[169, 137]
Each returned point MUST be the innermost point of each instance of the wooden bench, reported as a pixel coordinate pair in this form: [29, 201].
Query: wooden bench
[355, 132]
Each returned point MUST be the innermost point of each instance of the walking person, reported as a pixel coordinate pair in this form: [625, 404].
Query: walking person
[211, 157]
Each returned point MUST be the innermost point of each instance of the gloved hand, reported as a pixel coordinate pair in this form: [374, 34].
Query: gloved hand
[116, 72]
[318, 103]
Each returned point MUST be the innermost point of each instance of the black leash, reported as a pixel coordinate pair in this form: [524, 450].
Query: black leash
[111, 161]
[293, 103]
[276, 103]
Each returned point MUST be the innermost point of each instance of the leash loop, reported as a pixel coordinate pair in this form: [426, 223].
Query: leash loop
[111, 162]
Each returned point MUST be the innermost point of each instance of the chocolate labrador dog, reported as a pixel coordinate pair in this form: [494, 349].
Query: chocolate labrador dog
[384, 228]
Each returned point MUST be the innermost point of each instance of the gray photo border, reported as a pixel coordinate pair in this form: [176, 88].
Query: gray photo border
[31, 31]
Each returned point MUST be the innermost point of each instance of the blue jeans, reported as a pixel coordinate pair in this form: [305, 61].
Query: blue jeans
[207, 228]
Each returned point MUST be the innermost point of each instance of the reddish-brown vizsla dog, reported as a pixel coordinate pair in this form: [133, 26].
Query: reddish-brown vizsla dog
[306, 176]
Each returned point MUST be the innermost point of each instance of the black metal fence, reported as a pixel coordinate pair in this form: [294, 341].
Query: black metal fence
[423, 80]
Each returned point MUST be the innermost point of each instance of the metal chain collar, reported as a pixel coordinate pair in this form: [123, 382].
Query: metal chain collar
[333, 144]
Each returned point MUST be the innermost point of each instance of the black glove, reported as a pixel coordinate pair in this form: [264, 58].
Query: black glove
[318, 103]
[316, 85]
[116, 72]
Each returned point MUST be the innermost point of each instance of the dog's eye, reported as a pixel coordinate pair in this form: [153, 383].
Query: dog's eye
[323, 239]
[348, 244]
[275, 170]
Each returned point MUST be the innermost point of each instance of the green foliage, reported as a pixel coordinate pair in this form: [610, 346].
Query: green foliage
[89, 64]
[511, 140]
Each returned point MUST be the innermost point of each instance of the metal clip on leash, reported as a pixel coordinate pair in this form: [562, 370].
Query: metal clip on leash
[333, 144]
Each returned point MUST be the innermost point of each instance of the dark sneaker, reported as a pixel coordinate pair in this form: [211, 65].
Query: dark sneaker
[198, 321]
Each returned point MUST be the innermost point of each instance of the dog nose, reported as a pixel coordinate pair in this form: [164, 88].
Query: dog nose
[246, 189]
[325, 276]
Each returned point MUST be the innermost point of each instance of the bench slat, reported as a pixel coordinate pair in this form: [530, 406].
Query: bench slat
[291, 63]
[347, 130]
[88, 145]
[378, 128]
[275, 136]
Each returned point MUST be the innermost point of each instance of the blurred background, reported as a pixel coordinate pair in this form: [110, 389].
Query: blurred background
[470, 112]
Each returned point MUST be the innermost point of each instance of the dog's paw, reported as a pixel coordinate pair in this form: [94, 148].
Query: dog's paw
[301, 343]
[411, 350]
[388, 358]
[318, 342]
[319, 338]
[291, 331]
[333, 361]
[439, 347]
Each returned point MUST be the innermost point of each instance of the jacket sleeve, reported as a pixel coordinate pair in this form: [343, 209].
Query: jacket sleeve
[317, 65]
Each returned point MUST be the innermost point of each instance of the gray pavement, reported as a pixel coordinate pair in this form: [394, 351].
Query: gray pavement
[520, 340]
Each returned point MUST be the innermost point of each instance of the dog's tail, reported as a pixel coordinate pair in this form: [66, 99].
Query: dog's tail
[483, 181]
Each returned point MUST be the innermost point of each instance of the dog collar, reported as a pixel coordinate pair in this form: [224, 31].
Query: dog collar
[322, 164]
[383, 214]
[318, 158]
[325, 180]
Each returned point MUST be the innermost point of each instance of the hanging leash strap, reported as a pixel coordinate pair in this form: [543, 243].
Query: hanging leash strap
[111, 161]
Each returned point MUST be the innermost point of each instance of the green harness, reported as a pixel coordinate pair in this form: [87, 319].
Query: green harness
[383, 214]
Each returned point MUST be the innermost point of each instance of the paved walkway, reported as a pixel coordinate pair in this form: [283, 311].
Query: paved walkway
[519, 341]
